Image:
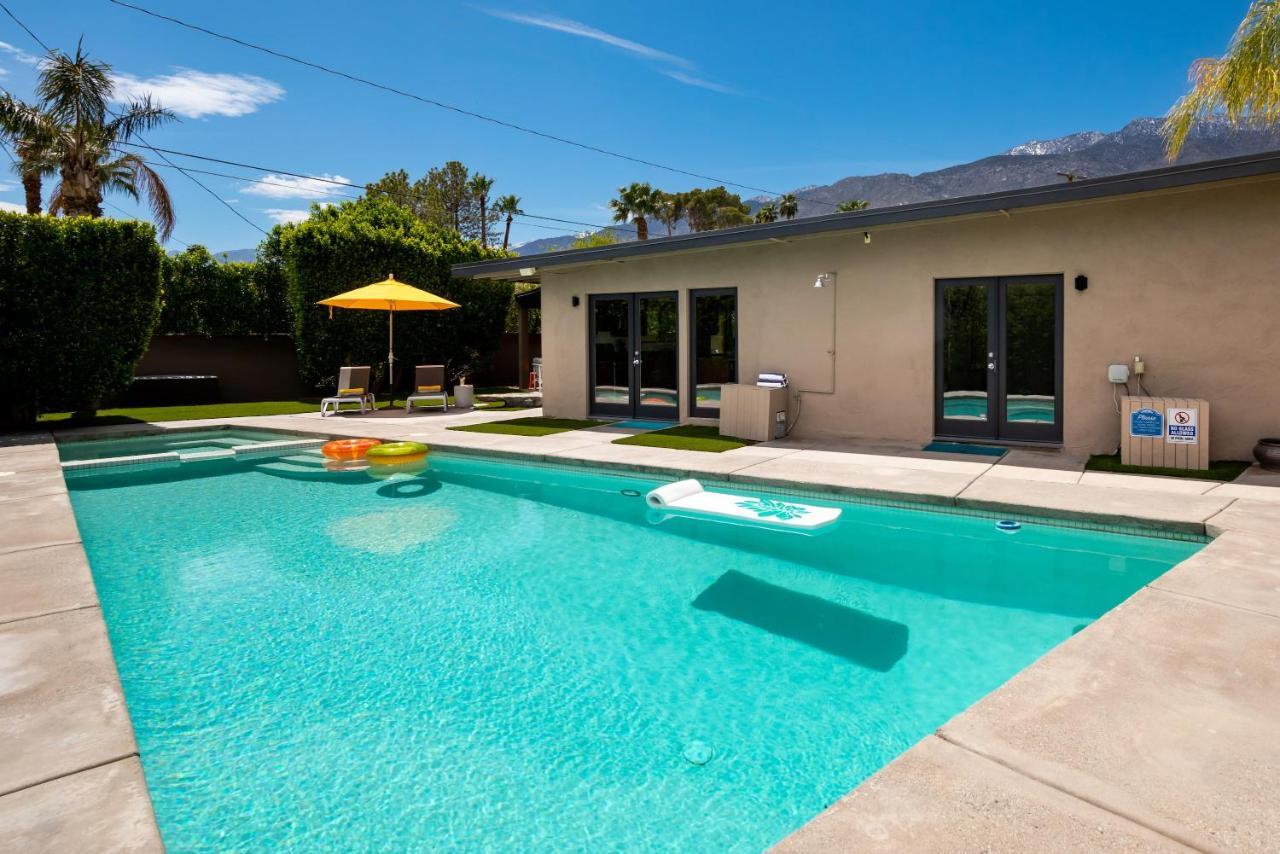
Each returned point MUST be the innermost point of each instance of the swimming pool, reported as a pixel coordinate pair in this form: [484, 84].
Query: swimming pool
[179, 441]
[494, 654]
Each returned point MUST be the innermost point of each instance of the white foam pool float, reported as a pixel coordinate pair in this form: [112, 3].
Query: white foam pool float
[688, 498]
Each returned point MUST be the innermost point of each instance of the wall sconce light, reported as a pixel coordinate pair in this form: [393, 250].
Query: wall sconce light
[575, 301]
[1082, 282]
[866, 237]
[528, 271]
[825, 279]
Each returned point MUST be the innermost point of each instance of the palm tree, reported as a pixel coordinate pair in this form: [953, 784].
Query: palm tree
[507, 206]
[27, 147]
[788, 207]
[671, 209]
[767, 213]
[76, 136]
[480, 185]
[636, 203]
[851, 205]
[1243, 85]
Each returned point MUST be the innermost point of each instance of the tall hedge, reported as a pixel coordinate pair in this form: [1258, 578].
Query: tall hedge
[79, 299]
[357, 243]
[203, 296]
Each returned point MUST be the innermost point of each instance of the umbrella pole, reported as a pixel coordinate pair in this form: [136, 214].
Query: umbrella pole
[391, 357]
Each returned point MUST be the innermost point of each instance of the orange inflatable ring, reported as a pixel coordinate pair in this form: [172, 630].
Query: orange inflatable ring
[395, 453]
[348, 449]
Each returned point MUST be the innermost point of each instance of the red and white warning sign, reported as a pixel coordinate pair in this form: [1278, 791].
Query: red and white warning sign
[1182, 426]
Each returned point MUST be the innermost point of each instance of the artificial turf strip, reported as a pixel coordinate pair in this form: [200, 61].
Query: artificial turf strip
[685, 437]
[529, 426]
[1218, 470]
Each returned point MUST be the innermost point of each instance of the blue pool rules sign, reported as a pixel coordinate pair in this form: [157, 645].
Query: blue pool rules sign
[1146, 423]
[1183, 426]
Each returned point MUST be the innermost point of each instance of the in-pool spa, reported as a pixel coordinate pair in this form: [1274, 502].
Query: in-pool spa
[176, 441]
[494, 655]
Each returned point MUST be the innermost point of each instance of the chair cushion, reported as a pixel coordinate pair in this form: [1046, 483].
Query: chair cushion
[428, 388]
[345, 391]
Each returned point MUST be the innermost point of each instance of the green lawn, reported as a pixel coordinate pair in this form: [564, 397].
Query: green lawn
[142, 414]
[1218, 470]
[685, 437]
[529, 426]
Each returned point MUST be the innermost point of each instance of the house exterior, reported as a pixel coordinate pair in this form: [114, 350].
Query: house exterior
[990, 318]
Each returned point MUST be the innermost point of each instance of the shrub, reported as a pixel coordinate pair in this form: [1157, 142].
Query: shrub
[79, 299]
[357, 243]
[205, 297]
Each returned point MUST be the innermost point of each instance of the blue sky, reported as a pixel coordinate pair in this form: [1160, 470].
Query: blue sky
[769, 94]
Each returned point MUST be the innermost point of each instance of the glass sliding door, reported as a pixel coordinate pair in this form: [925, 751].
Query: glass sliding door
[611, 367]
[998, 358]
[634, 355]
[713, 345]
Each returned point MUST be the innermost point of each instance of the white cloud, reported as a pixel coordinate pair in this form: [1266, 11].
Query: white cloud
[675, 67]
[19, 54]
[196, 94]
[284, 216]
[290, 187]
[5, 186]
[12, 208]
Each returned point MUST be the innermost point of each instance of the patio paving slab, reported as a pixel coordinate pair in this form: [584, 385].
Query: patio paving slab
[1240, 568]
[43, 520]
[1163, 711]
[43, 581]
[61, 706]
[938, 482]
[1150, 483]
[939, 797]
[32, 454]
[1246, 514]
[101, 809]
[31, 482]
[1094, 503]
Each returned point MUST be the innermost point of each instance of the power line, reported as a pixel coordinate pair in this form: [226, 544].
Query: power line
[441, 104]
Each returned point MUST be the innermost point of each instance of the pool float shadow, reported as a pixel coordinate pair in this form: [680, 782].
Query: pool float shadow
[856, 636]
[415, 487]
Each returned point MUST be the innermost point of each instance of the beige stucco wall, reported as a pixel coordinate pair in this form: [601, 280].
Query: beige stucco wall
[1189, 279]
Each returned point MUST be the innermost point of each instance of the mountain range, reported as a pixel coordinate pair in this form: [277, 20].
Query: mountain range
[1089, 154]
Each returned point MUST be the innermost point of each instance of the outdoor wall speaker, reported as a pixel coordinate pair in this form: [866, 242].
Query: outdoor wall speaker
[576, 301]
[1082, 283]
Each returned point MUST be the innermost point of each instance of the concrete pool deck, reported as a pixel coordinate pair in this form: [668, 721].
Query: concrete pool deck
[1153, 729]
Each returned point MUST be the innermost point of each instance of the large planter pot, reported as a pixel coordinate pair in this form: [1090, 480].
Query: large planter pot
[464, 396]
[1267, 453]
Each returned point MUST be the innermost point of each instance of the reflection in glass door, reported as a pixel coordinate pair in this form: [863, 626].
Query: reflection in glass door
[635, 355]
[998, 358]
[713, 347]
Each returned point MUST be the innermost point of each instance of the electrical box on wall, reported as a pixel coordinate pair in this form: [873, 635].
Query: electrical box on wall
[1118, 373]
[1168, 432]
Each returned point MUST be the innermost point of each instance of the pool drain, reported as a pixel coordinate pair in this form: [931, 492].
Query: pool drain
[1008, 525]
[631, 493]
[698, 752]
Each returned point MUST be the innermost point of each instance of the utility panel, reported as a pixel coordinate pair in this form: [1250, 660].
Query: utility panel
[754, 413]
[1169, 432]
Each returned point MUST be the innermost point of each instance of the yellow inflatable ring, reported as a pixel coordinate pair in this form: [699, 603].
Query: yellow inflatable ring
[395, 453]
[348, 449]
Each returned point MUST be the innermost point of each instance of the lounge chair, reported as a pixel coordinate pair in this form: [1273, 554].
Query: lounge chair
[428, 386]
[353, 387]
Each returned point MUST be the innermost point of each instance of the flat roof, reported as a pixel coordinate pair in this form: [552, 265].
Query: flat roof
[1168, 177]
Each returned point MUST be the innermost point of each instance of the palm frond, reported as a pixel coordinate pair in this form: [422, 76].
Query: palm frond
[153, 187]
[138, 116]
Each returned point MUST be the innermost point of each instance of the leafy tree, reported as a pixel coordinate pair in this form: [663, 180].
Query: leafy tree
[768, 212]
[1243, 85]
[76, 135]
[589, 239]
[851, 205]
[635, 203]
[709, 209]
[788, 207]
[508, 208]
[353, 243]
[671, 209]
[449, 196]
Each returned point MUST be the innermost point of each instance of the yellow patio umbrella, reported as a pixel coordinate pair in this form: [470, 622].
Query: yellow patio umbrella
[389, 296]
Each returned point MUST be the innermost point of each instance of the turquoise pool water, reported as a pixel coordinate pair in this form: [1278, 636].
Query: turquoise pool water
[494, 656]
[182, 441]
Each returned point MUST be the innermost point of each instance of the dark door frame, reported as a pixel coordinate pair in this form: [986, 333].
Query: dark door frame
[694, 410]
[997, 428]
[633, 408]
